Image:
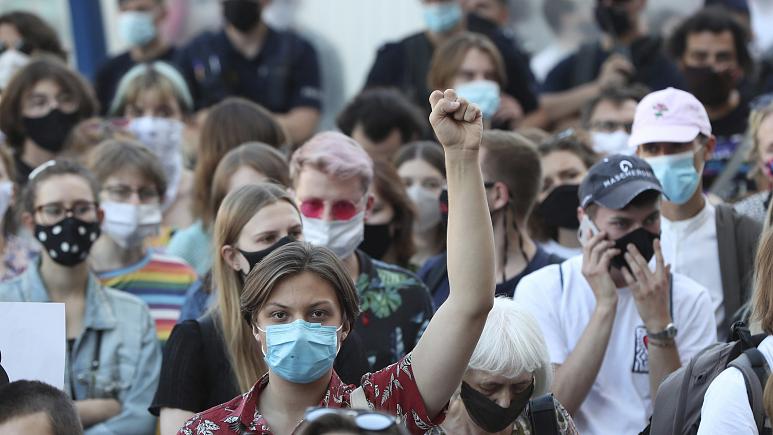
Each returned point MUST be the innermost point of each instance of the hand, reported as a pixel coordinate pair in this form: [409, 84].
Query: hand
[509, 111]
[457, 123]
[650, 289]
[616, 71]
[596, 255]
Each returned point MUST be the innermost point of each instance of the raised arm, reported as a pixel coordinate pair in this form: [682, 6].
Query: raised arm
[443, 352]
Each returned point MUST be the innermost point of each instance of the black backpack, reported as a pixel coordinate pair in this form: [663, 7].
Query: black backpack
[678, 403]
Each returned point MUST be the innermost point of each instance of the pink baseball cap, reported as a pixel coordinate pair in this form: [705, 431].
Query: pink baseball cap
[670, 115]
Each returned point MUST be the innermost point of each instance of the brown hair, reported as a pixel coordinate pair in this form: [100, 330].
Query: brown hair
[428, 151]
[513, 160]
[570, 142]
[450, 55]
[293, 259]
[390, 188]
[762, 300]
[258, 156]
[55, 168]
[10, 224]
[230, 123]
[44, 68]
[89, 133]
[237, 209]
[114, 155]
[37, 36]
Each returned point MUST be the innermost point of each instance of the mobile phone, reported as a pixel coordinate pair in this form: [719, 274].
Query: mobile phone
[587, 230]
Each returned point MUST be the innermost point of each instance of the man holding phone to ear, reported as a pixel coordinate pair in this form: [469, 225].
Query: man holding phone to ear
[616, 320]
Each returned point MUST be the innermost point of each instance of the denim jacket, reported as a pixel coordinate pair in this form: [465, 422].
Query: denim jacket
[129, 357]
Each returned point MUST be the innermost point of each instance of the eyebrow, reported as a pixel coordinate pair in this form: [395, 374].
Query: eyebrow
[314, 305]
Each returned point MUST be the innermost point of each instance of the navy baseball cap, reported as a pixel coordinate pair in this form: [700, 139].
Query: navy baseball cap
[616, 180]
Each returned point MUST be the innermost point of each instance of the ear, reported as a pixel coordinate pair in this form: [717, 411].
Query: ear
[256, 333]
[28, 221]
[345, 331]
[100, 215]
[501, 195]
[369, 205]
[229, 253]
[580, 213]
[709, 147]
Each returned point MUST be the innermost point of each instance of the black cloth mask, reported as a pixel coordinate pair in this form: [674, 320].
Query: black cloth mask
[710, 87]
[613, 20]
[255, 257]
[487, 414]
[50, 131]
[3, 375]
[68, 241]
[640, 238]
[376, 240]
[559, 209]
[242, 14]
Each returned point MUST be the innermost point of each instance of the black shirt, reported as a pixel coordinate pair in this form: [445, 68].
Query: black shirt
[653, 68]
[111, 72]
[282, 76]
[729, 132]
[197, 375]
[23, 170]
[405, 65]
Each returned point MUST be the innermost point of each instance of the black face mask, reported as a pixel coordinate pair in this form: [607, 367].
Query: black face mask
[50, 131]
[613, 20]
[3, 375]
[487, 414]
[255, 257]
[709, 87]
[242, 14]
[640, 238]
[376, 240]
[68, 241]
[559, 209]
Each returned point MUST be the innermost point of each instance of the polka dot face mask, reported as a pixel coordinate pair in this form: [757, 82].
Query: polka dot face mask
[68, 241]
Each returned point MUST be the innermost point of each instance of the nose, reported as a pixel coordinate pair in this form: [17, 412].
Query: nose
[503, 398]
[134, 198]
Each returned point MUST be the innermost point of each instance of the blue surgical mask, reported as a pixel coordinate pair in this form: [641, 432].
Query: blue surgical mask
[301, 352]
[484, 93]
[136, 28]
[442, 17]
[677, 175]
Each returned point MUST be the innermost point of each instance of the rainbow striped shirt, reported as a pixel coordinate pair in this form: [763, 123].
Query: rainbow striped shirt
[160, 281]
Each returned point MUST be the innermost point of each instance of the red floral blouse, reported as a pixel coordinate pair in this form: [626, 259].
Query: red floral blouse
[391, 390]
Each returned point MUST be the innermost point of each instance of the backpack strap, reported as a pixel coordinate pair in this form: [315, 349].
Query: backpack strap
[752, 365]
[357, 399]
[542, 415]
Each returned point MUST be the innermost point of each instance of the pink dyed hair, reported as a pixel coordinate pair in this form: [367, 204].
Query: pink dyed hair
[336, 155]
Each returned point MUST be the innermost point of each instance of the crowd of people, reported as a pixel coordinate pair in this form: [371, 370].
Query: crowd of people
[490, 243]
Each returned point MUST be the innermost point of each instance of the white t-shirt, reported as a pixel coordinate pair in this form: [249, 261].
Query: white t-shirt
[619, 400]
[726, 407]
[553, 247]
[690, 247]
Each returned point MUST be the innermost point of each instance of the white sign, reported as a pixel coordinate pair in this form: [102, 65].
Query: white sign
[32, 341]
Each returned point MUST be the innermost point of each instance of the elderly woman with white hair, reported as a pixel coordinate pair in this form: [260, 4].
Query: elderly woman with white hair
[508, 372]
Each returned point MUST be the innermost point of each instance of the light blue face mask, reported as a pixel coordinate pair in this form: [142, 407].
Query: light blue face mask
[301, 352]
[677, 175]
[136, 28]
[484, 93]
[442, 17]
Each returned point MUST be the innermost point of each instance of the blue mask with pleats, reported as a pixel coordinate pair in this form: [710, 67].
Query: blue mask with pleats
[677, 175]
[442, 17]
[301, 352]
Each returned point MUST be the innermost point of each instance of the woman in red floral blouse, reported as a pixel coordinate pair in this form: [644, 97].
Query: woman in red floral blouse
[301, 304]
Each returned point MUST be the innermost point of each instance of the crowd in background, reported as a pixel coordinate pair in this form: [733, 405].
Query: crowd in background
[492, 240]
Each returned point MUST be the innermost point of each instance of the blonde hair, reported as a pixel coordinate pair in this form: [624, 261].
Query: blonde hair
[756, 118]
[762, 299]
[237, 209]
[156, 76]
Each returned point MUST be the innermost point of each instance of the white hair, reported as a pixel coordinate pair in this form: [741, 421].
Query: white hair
[512, 344]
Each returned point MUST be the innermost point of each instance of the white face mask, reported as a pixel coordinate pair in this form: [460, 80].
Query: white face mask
[611, 143]
[427, 208]
[130, 224]
[341, 237]
[6, 192]
[163, 136]
[11, 61]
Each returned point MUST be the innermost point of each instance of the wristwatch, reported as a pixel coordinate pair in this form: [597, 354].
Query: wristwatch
[667, 334]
